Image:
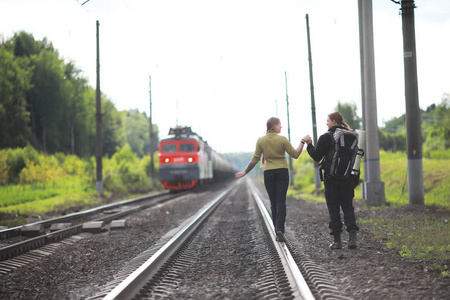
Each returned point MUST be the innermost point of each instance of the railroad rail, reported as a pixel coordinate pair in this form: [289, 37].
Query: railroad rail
[128, 206]
[133, 284]
[299, 286]
[17, 230]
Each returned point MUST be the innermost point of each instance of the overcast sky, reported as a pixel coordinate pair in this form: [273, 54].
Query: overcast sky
[219, 65]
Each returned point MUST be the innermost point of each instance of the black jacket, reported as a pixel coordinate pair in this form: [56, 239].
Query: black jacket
[322, 149]
[323, 145]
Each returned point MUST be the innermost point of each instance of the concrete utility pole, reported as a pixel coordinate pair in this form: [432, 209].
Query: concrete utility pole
[313, 107]
[374, 187]
[413, 129]
[363, 98]
[291, 169]
[98, 121]
[152, 164]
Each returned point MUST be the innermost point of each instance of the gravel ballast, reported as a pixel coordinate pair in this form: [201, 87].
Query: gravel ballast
[372, 271]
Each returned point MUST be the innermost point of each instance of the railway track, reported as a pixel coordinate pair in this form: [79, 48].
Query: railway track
[231, 256]
[226, 249]
[159, 272]
[53, 231]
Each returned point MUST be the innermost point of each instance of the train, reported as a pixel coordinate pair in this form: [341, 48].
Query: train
[186, 160]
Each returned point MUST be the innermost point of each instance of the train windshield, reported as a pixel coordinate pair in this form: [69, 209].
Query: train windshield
[187, 147]
[168, 148]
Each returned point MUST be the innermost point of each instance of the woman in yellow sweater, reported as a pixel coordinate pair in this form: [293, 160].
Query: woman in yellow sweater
[276, 175]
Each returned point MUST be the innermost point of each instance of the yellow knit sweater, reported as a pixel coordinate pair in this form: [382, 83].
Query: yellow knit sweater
[273, 147]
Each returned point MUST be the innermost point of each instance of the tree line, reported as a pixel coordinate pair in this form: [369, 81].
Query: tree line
[47, 104]
[435, 125]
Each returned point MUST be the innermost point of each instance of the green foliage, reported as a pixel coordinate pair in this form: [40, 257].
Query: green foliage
[113, 131]
[57, 182]
[438, 137]
[436, 174]
[45, 102]
[46, 169]
[137, 132]
[440, 269]
[40, 178]
[74, 166]
[304, 173]
[304, 182]
[15, 81]
[37, 197]
[435, 127]
[395, 125]
[437, 154]
[395, 141]
[15, 161]
[348, 112]
[393, 167]
[4, 169]
[125, 172]
[145, 162]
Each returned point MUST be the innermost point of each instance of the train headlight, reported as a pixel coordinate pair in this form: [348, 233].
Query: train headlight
[166, 160]
[190, 159]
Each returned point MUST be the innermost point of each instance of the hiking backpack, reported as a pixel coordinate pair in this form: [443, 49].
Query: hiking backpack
[339, 161]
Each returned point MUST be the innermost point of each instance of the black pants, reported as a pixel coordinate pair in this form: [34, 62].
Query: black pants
[339, 194]
[277, 182]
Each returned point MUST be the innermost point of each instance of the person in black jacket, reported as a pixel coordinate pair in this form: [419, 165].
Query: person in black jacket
[338, 193]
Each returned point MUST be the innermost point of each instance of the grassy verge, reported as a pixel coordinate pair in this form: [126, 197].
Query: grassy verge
[416, 237]
[35, 185]
[422, 238]
[12, 197]
[436, 175]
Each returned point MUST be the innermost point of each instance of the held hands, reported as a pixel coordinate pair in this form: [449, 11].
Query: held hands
[307, 139]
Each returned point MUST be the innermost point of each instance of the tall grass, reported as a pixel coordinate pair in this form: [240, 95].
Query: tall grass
[412, 236]
[393, 168]
[436, 176]
[11, 195]
[58, 204]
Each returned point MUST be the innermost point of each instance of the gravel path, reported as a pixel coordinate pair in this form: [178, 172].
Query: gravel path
[370, 272]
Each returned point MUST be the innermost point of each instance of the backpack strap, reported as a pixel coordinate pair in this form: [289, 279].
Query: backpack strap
[325, 163]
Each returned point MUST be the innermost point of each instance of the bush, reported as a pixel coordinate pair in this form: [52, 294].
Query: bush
[4, 168]
[126, 172]
[15, 162]
[45, 170]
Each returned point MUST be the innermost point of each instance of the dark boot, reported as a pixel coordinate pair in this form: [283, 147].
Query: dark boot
[337, 244]
[352, 239]
[280, 237]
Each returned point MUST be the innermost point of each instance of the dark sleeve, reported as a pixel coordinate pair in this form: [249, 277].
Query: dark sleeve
[323, 145]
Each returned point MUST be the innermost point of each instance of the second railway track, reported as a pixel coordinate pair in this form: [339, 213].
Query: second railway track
[15, 242]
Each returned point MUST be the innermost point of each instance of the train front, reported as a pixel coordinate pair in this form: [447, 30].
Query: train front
[179, 159]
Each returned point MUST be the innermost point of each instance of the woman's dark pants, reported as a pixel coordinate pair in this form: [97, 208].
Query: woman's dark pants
[339, 194]
[277, 182]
